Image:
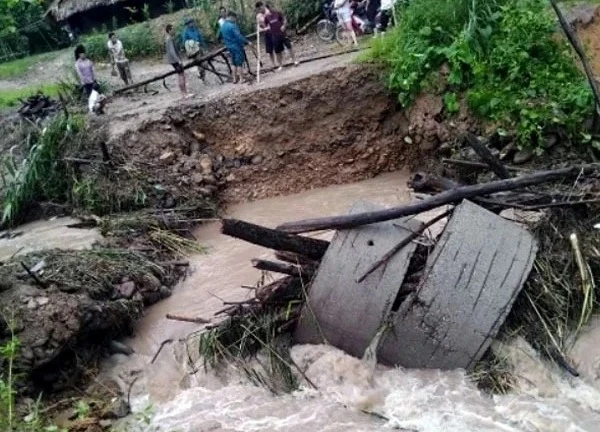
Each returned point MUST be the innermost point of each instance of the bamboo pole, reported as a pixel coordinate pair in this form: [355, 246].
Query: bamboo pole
[257, 53]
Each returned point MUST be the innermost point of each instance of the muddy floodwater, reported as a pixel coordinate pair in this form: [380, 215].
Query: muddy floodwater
[424, 400]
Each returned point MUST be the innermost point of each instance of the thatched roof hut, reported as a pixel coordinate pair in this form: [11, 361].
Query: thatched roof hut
[61, 10]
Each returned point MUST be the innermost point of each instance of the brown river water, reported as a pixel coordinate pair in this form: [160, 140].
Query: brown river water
[546, 399]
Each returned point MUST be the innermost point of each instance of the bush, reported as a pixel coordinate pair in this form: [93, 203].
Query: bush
[504, 54]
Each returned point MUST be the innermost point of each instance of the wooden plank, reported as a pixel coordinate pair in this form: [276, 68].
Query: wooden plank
[341, 311]
[471, 281]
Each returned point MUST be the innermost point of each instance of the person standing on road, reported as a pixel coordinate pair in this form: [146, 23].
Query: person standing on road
[261, 12]
[85, 71]
[235, 43]
[344, 13]
[173, 59]
[194, 44]
[118, 59]
[277, 23]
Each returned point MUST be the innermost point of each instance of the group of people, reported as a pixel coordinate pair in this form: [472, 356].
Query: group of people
[271, 26]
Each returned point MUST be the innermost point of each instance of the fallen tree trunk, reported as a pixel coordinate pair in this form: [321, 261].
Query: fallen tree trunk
[486, 155]
[274, 239]
[192, 64]
[279, 267]
[448, 197]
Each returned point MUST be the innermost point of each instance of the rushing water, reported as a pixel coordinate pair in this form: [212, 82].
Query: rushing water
[424, 400]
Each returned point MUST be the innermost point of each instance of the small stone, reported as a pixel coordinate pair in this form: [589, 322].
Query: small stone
[167, 157]
[116, 347]
[281, 153]
[209, 179]
[230, 178]
[206, 164]
[167, 127]
[257, 160]
[126, 289]
[42, 301]
[117, 409]
[105, 424]
[164, 291]
[408, 139]
[237, 163]
[199, 136]
[522, 156]
[550, 141]
[198, 178]
[194, 148]
[32, 304]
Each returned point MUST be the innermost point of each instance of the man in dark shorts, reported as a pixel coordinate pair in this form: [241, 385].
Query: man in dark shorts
[173, 59]
[261, 12]
[276, 22]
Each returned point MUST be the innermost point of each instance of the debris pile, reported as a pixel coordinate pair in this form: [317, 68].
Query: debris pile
[433, 300]
[38, 106]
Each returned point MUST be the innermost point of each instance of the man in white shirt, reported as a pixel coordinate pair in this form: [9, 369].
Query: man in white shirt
[118, 59]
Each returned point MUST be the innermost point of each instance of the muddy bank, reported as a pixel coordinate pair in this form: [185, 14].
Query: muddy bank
[331, 128]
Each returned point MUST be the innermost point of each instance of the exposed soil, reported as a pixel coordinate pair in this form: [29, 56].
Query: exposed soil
[330, 128]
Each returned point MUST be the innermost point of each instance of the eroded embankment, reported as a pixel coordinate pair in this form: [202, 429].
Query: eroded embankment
[332, 128]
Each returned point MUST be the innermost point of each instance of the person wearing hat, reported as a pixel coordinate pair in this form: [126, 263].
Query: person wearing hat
[194, 44]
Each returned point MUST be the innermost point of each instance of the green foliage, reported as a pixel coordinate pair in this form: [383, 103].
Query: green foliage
[43, 174]
[138, 39]
[300, 12]
[504, 54]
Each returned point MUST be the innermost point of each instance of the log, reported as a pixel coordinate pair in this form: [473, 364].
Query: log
[576, 43]
[191, 64]
[294, 258]
[197, 320]
[486, 155]
[448, 197]
[274, 239]
[481, 165]
[279, 267]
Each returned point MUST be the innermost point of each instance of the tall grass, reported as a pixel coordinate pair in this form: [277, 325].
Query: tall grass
[42, 174]
[503, 54]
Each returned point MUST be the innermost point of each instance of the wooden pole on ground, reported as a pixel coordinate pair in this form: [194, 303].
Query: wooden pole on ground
[257, 53]
[448, 197]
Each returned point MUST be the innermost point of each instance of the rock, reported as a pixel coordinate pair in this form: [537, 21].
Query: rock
[199, 136]
[206, 164]
[408, 139]
[126, 290]
[428, 145]
[149, 282]
[165, 291]
[209, 179]
[32, 304]
[281, 153]
[194, 148]
[105, 424]
[115, 347]
[198, 178]
[230, 178]
[257, 160]
[41, 301]
[550, 141]
[237, 163]
[167, 157]
[118, 408]
[522, 156]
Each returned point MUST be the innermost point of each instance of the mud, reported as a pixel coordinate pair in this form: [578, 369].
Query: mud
[335, 127]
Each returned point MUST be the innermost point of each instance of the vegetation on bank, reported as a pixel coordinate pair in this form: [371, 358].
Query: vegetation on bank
[503, 58]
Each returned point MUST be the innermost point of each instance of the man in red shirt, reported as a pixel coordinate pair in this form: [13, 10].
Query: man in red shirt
[276, 22]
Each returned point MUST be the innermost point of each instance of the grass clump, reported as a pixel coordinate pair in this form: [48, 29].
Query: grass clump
[505, 55]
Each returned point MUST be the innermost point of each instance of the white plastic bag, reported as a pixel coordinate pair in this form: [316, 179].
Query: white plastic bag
[94, 95]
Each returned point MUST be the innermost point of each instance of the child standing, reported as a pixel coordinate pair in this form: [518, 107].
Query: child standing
[235, 43]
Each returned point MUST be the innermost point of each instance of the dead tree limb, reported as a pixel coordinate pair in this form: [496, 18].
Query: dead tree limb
[406, 241]
[294, 258]
[187, 319]
[576, 44]
[273, 239]
[486, 155]
[279, 267]
[481, 165]
[192, 64]
[36, 279]
[422, 182]
[448, 197]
